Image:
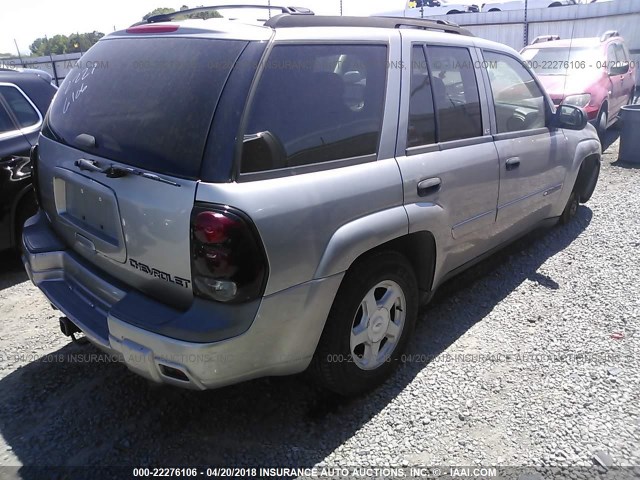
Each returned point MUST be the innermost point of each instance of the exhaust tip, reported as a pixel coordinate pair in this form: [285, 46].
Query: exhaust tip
[173, 373]
[67, 327]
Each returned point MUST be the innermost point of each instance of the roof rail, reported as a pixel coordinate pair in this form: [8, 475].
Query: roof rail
[608, 34]
[167, 17]
[289, 21]
[545, 38]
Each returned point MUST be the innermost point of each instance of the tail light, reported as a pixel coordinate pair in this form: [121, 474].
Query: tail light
[228, 263]
[33, 156]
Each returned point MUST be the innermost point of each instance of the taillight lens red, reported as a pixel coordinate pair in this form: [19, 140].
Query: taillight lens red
[228, 262]
[214, 227]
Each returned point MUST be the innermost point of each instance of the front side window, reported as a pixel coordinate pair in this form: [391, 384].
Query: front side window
[19, 106]
[621, 54]
[455, 92]
[612, 57]
[314, 104]
[519, 102]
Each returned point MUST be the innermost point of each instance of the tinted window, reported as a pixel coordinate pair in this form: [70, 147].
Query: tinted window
[6, 125]
[315, 103]
[422, 125]
[19, 106]
[148, 102]
[519, 102]
[455, 91]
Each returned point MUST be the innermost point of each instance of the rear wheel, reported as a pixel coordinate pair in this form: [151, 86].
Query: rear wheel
[494, 9]
[453, 12]
[369, 325]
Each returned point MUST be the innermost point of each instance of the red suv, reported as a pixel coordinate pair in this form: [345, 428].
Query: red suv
[593, 73]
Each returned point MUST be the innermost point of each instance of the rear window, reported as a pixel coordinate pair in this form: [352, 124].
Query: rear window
[561, 60]
[148, 102]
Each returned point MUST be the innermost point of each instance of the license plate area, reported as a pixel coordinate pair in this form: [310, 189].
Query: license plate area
[89, 209]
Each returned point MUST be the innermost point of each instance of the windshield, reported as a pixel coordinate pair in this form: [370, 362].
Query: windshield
[560, 60]
[147, 102]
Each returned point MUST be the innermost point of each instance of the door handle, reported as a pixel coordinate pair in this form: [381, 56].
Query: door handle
[513, 163]
[429, 186]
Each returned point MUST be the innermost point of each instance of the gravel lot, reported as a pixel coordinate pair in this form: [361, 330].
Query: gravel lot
[531, 358]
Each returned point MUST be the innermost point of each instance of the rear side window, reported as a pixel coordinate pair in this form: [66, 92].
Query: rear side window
[148, 102]
[6, 124]
[314, 104]
[519, 102]
[455, 91]
[19, 106]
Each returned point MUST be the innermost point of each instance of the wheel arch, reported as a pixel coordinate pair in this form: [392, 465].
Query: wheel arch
[585, 182]
[352, 244]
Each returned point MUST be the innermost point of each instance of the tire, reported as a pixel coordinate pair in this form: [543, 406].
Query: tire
[494, 10]
[590, 185]
[601, 123]
[344, 361]
[453, 12]
[570, 209]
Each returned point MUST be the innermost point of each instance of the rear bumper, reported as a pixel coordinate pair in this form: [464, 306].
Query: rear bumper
[281, 339]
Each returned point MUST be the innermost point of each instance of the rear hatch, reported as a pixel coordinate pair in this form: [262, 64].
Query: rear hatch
[121, 152]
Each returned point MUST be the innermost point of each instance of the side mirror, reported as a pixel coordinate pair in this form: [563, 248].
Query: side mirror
[619, 69]
[570, 117]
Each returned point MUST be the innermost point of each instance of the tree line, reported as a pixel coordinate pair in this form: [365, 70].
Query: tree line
[81, 42]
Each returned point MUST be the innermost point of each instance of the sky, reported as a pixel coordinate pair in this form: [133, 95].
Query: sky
[26, 20]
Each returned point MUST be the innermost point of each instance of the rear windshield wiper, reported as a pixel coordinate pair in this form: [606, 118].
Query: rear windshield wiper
[113, 171]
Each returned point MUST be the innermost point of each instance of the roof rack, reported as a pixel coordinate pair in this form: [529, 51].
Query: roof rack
[545, 38]
[289, 21]
[167, 17]
[609, 34]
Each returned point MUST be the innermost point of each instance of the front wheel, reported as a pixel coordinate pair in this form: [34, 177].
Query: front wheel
[570, 209]
[601, 123]
[369, 325]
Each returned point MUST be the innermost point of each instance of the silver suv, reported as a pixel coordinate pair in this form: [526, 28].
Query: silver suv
[221, 201]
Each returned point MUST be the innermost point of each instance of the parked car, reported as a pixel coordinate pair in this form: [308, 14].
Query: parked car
[592, 73]
[212, 225]
[499, 5]
[41, 73]
[24, 99]
[431, 8]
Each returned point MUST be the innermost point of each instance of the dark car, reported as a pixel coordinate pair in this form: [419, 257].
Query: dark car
[24, 100]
